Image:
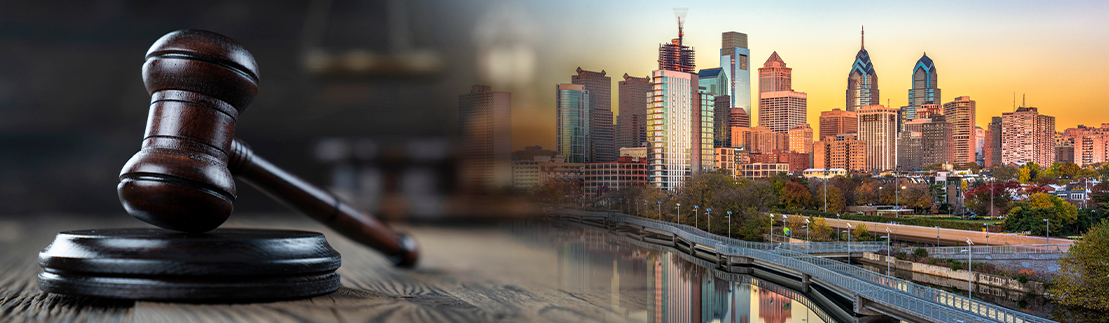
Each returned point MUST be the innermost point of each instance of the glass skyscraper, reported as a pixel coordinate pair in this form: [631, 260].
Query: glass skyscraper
[735, 62]
[573, 122]
[925, 88]
[862, 82]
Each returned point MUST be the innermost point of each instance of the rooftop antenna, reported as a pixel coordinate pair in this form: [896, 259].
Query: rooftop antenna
[681, 13]
[1024, 100]
[1014, 101]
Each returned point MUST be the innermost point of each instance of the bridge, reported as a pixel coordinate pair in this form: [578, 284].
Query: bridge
[871, 293]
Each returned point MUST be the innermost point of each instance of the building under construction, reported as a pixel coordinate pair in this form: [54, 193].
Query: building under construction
[675, 56]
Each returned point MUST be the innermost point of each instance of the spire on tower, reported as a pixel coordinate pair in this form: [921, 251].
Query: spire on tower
[863, 42]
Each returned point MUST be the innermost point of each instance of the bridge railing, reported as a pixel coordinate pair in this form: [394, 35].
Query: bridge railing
[895, 292]
[1046, 248]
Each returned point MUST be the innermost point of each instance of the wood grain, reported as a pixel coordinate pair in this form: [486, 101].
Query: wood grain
[472, 274]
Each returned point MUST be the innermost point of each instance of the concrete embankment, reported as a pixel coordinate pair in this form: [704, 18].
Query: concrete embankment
[923, 271]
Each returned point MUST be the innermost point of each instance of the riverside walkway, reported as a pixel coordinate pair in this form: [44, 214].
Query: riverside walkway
[871, 293]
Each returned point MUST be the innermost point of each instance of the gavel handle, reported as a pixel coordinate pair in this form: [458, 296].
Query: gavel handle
[295, 193]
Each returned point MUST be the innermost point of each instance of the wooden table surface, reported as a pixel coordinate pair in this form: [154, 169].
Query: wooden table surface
[468, 274]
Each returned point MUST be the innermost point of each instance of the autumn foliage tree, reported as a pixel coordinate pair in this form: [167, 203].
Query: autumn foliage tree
[795, 196]
[1029, 215]
[1081, 279]
[978, 199]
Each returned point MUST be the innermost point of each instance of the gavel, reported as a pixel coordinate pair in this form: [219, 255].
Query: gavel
[183, 177]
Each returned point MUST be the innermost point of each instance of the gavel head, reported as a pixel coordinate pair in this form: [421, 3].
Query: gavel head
[199, 83]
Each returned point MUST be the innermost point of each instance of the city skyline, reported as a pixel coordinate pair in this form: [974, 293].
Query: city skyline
[976, 46]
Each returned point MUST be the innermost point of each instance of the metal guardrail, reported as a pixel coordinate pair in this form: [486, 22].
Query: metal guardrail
[1046, 248]
[911, 297]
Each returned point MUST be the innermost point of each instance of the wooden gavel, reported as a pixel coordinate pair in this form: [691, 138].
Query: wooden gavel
[183, 177]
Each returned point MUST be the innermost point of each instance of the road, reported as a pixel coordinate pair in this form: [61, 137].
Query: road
[947, 237]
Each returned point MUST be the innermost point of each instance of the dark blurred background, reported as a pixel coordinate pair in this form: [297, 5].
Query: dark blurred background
[340, 81]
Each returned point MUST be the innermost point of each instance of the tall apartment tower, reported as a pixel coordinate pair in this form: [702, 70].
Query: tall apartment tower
[780, 108]
[714, 81]
[841, 151]
[925, 88]
[722, 121]
[909, 150]
[936, 145]
[632, 123]
[675, 56]
[485, 123]
[862, 81]
[992, 148]
[1027, 136]
[734, 60]
[572, 105]
[960, 113]
[800, 138]
[838, 122]
[675, 129]
[740, 118]
[602, 146]
[980, 146]
[878, 128]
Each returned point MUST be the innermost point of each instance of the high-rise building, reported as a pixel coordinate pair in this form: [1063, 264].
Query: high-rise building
[674, 128]
[936, 144]
[734, 60]
[714, 80]
[632, 123]
[602, 147]
[838, 122]
[800, 138]
[759, 140]
[979, 146]
[704, 110]
[780, 108]
[740, 118]
[992, 148]
[862, 81]
[1088, 145]
[840, 151]
[1027, 136]
[925, 88]
[878, 128]
[908, 150]
[722, 121]
[960, 113]
[485, 123]
[675, 56]
[572, 105]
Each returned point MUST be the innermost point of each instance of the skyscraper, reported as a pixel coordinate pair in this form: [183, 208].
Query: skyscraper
[878, 128]
[979, 146]
[485, 118]
[602, 147]
[908, 150]
[632, 122]
[572, 105]
[722, 121]
[675, 56]
[936, 144]
[734, 57]
[780, 108]
[862, 81]
[740, 118]
[800, 138]
[714, 81]
[960, 113]
[925, 88]
[992, 148]
[1027, 136]
[838, 122]
[840, 151]
[672, 127]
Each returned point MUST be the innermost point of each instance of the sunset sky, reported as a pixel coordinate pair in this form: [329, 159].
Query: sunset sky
[1053, 52]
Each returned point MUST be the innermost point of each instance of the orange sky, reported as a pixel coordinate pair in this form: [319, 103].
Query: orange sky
[1055, 53]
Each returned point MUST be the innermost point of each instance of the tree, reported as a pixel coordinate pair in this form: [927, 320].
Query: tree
[820, 229]
[916, 196]
[1029, 173]
[1029, 215]
[978, 199]
[867, 193]
[701, 190]
[1099, 195]
[1005, 172]
[861, 233]
[794, 223]
[1081, 279]
[794, 196]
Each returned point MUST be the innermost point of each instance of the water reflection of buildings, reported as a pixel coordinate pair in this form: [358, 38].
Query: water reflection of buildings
[647, 285]
[774, 308]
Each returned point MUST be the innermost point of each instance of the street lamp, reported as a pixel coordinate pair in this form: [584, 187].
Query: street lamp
[659, 210]
[678, 217]
[889, 251]
[708, 212]
[771, 227]
[849, 243]
[807, 229]
[970, 269]
[937, 236]
[729, 216]
[695, 217]
[987, 233]
[1048, 237]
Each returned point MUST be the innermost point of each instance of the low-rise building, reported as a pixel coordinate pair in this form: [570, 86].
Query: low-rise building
[822, 174]
[762, 170]
[624, 173]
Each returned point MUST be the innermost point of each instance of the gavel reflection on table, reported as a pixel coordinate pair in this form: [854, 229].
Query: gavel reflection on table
[183, 180]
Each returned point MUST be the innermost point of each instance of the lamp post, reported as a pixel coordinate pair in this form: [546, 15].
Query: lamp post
[708, 212]
[848, 243]
[825, 188]
[729, 216]
[937, 236]
[889, 236]
[678, 217]
[771, 227]
[970, 269]
[1048, 237]
[659, 210]
[695, 217]
[987, 233]
[807, 229]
